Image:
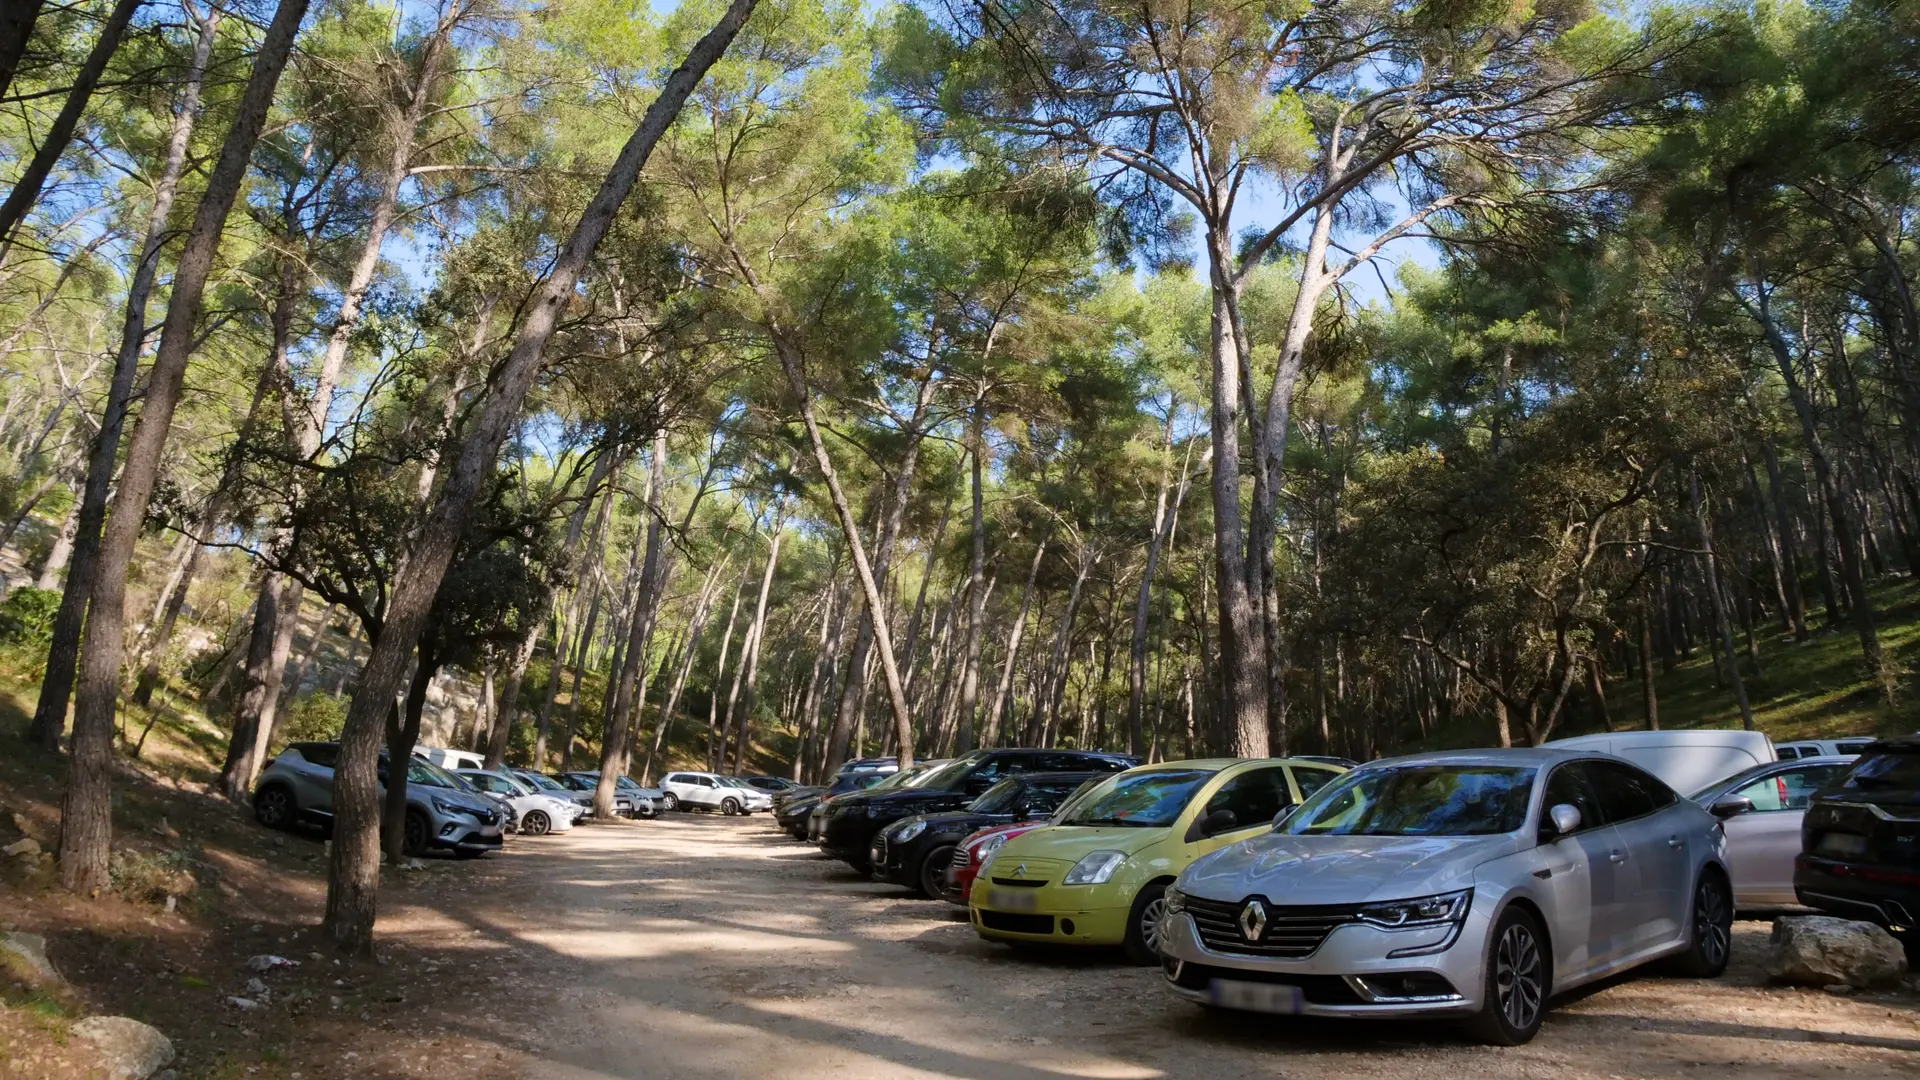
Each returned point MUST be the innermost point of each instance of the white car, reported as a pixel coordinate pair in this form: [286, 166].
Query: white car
[1803, 748]
[711, 791]
[1685, 760]
[533, 813]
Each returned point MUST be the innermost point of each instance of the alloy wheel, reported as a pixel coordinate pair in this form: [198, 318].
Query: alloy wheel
[1712, 921]
[730, 807]
[1516, 976]
[1150, 922]
[672, 801]
[535, 824]
[270, 808]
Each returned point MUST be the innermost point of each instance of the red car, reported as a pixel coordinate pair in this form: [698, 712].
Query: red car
[973, 853]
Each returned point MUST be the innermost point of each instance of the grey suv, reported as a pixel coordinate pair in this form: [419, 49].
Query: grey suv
[297, 785]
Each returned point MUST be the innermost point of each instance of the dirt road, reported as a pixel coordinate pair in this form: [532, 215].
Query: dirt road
[705, 947]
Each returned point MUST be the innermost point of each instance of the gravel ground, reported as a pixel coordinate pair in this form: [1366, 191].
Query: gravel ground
[701, 946]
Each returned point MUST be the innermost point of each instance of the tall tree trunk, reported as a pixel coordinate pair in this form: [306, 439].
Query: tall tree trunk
[996, 711]
[86, 826]
[16, 27]
[689, 652]
[403, 731]
[353, 877]
[502, 730]
[755, 636]
[969, 701]
[1649, 697]
[290, 689]
[1722, 627]
[616, 741]
[26, 189]
[1243, 659]
[714, 731]
[63, 650]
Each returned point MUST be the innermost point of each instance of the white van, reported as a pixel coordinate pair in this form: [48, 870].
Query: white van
[450, 759]
[1686, 760]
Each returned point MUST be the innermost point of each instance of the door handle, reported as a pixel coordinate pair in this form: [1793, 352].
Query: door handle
[1617, 857]
[1674, 841]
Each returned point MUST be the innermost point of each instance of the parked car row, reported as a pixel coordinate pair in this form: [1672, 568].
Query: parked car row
[465, 809]
[1473, 885]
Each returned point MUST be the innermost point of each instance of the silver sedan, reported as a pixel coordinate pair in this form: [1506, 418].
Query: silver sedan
[1762, 809]
[1474, 884]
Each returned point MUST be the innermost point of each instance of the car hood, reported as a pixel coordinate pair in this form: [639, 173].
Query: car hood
[1074, 842]
[1342, 869]
[456, 797]
[962, 821]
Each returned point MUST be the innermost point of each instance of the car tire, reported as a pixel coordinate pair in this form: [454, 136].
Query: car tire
[536, 823]
[1142, 943]
[730, 807]
[1517, 979]
[413, 836]
[273, 807]
[933, 870]
[1710, 943]
[670, 801]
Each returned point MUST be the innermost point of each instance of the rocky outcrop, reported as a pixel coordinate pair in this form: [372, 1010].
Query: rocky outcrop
[132, 1050]
[29, 951]
[1817, 950]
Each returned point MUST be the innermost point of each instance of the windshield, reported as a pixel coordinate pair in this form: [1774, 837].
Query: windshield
[627, 783]
[1418, 800]
[1012, 795]
[422, 772]
[1142, 799]
[1883, 772]
[944, 777]
[542, 782]
[736, 782]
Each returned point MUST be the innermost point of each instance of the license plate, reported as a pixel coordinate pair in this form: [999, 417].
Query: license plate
[1257, 997]
[1842, 844]
[1013, 899]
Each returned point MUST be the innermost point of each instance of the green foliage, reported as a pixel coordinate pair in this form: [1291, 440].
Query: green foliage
[26, 615]
[314, 717]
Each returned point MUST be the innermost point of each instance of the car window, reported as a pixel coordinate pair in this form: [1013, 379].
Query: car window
[420, 772]
[1144, 799]
[321, 754]
[1852, 747]
[1567, 785]
[1418, 800]
[1626, 792]
[1790, 789]
[1785, 753]
[1884, 771]
[1254, 797]
[1312, 780]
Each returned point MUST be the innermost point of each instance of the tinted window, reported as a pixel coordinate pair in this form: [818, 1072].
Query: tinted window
[1786, 753]
[1626, 792]
[1144, 798]
[1791, 789]
[1418, 800]
[1078, 763]
[1312, 780]
[1883, 772]
[1851, 747]
[1005, 797]
[1567, 785]
[676, 778]
[420, 772]
[1253, 798]
[321, 754]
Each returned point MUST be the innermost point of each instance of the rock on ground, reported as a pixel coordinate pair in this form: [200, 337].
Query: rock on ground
[133, 1050]
[1818, 950]
[32, 951]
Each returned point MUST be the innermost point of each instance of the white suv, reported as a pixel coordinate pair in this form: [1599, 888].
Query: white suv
[712, 791]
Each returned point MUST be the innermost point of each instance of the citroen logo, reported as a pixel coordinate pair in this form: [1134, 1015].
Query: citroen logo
[1253, 920]
[1020, 871]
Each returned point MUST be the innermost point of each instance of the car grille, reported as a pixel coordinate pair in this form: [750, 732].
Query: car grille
[1020, 882]
[1291, 932]
[960, 856]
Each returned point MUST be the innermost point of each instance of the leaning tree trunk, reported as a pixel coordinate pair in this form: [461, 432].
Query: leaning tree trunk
[969, 701]
[754, 639]
[86, 827]
[689, 652]
[16, 27]
[402, 734]
[354, 872]
[632, 687]
[26, 189]
[63, 649]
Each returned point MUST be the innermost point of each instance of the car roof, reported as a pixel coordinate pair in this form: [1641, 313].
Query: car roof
[1899, 744]
[1513, 755]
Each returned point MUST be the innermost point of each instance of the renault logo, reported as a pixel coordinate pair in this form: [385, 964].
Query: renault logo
[1253, 920]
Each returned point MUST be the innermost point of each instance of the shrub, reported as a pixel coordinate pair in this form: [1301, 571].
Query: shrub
[150, 879]
[315, 717]
[26, 615]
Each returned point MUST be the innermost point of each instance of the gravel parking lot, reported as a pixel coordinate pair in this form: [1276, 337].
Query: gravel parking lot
[701, 946]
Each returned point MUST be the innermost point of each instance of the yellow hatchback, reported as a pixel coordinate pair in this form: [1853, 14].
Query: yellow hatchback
[1098, 874]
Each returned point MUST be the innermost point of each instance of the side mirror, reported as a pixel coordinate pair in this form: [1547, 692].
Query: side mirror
[1730, 806]
[1218, 822]
[1286, 812]
[1565, 818]
[1025, 813]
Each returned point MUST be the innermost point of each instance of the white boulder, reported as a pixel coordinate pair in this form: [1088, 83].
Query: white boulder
[133, 1050]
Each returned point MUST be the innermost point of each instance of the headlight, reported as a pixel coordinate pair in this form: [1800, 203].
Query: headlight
[1423, 912]
[1176, 900]
[1095, 868]
[911, 830]
[446, 807]
[988, 848]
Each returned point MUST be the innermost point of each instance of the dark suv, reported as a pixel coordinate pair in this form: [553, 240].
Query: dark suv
[852, 820]
[916, 851]
[1860, 841]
